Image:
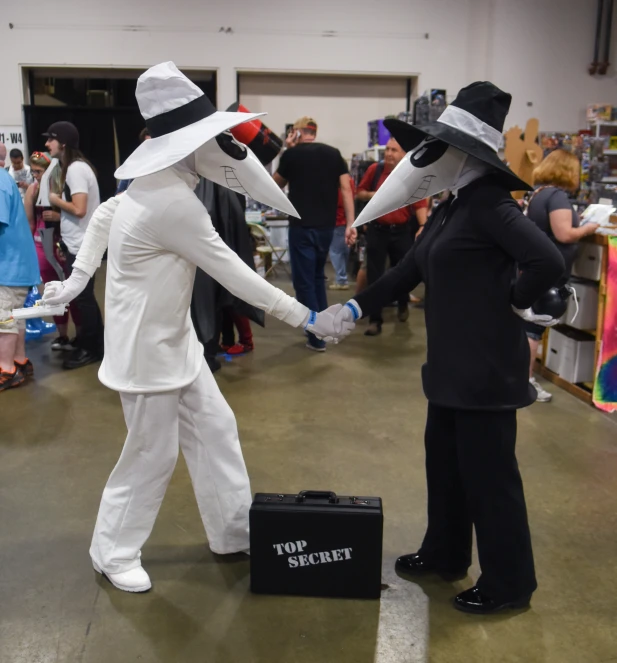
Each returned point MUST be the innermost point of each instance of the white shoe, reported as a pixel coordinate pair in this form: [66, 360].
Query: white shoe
[543, 395]
[135, 580]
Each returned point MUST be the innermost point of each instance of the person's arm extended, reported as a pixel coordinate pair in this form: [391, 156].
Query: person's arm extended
[77, 207]
[96, 239]
[397, 281]
[540, 263]
[88, 258]
[189, 232]
[561, 225]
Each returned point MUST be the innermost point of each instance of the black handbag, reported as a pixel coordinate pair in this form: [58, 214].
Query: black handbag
[316, 543]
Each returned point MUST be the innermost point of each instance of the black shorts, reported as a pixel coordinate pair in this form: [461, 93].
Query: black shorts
[533, 331]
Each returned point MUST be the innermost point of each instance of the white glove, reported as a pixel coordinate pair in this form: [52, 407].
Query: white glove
[537, 319]
[333, 324]
[63, 292]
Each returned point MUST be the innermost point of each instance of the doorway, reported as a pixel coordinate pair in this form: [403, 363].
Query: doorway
[101, 104]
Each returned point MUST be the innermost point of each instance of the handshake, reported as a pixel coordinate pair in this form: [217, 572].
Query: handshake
[335, 323]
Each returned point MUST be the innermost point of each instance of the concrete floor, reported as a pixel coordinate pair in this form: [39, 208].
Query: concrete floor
[351, 420]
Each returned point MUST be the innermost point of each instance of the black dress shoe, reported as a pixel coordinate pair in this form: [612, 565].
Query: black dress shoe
[79, 358]
[416, 565]
[474, 601]
[403, 313]
[374, 329]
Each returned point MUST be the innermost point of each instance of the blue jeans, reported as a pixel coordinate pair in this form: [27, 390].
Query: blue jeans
[339, 252]
[308, 250]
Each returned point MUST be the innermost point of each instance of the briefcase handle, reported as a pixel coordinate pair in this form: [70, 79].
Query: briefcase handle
[317, 495]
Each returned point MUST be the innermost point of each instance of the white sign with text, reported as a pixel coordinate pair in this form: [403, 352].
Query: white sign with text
[13, 136]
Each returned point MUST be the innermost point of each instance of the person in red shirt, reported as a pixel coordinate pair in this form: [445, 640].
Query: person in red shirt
[339, 249]
[392, 235]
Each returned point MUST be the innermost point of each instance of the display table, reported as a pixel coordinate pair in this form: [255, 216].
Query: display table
[590, 270]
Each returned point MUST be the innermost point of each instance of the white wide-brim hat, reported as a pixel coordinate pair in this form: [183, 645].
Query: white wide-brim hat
[179, 117]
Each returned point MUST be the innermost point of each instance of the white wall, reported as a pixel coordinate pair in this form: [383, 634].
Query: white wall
[341, 105]
[536, 49]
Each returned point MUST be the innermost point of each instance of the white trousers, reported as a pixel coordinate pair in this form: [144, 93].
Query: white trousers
[198, 420]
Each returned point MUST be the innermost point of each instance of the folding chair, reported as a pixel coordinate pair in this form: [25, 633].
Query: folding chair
[266, 249]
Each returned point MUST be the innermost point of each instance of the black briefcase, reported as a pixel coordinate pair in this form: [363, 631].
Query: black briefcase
[316, 544]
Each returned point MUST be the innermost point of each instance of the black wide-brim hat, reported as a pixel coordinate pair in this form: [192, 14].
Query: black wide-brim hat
[473, 123]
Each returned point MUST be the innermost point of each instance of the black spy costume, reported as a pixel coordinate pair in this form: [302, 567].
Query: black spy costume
[476, 374]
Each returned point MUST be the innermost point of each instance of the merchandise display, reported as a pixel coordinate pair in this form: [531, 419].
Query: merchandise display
[589, 322]
[377, 133]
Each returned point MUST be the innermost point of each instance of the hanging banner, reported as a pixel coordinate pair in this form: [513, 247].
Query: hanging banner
[605, 385]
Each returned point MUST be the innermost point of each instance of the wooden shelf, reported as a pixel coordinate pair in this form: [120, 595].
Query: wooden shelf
[596, 238]
[576, 390]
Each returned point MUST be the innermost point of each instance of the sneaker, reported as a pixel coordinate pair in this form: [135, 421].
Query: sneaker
[338, 286]
[26, 368]
[136, 580]
[11, 380]
[543, 395]
[79, 358]
[235, 349]
[63, 344]
[316, 348]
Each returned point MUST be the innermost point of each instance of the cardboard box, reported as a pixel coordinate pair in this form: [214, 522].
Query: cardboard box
[587, 295]
[570, 354]
[588, 263]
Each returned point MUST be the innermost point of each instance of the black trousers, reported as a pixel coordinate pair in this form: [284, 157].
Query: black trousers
[473, 479]
[383, 242]
[91, 332]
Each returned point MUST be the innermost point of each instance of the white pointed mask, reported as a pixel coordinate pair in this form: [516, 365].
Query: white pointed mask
[227, 162]
[428, 169]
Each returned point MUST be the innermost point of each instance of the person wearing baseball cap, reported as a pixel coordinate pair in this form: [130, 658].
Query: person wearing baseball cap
[315, 172]
[65, 133]
[77, 203]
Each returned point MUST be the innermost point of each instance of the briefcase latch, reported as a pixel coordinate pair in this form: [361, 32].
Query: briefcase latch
[279, 498]
[357, 500]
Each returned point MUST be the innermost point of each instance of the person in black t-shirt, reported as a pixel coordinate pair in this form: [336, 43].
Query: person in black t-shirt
[314, 172]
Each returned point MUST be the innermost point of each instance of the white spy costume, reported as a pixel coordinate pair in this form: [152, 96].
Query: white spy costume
[158, 232]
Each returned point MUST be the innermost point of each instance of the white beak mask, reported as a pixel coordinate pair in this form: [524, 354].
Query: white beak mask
[426, 170]
[232, 164]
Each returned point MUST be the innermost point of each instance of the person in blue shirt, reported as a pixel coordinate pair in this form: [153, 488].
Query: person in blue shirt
[19, 271]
